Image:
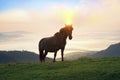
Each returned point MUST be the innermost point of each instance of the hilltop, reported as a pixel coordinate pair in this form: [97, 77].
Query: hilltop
[82, 69]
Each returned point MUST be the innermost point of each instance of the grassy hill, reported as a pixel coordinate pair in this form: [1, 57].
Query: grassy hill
[82, 69]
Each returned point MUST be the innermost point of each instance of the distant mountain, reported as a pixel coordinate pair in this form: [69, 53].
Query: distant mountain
[26, 56]
[77, 55]
[19, 56]
[112, 51]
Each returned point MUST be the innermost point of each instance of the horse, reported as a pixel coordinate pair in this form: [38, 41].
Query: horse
[54, 43]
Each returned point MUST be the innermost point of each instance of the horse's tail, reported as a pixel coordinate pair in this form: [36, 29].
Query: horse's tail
[41, 54]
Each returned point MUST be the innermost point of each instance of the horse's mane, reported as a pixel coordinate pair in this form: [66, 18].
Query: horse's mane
[56, 34]
[62, 31]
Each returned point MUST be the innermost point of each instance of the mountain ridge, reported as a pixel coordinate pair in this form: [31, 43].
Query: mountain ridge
[19, 57]
[112, 51]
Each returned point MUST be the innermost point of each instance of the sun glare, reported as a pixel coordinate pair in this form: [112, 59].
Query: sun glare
[68, 17]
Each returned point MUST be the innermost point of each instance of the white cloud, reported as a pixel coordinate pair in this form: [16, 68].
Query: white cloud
[14, 16]
[102, 15]
[8, 36]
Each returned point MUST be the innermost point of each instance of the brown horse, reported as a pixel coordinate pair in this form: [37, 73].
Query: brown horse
[54, 43]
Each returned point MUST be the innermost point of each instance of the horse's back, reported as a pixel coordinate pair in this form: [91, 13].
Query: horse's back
[50, 44]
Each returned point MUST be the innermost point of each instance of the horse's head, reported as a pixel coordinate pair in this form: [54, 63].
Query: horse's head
[67, 30]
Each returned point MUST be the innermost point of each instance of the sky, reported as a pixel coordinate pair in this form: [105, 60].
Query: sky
[23, 23]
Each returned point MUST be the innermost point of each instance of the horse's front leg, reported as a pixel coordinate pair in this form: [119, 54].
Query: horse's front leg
[62, 53]
[55, 56]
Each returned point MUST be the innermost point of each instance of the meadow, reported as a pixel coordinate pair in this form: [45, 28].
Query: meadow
[81, 69]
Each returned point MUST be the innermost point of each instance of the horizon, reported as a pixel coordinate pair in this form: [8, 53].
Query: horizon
[24, 22]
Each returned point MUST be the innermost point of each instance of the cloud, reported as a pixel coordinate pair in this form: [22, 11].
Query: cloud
[101, 15]
[14, 16]
[99, 36]
[8, 36]
[15, 20]
[89, 15]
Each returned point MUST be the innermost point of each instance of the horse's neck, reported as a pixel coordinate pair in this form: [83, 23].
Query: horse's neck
[63, 37]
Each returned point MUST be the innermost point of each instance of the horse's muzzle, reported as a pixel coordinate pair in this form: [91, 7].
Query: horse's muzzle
[70, 37]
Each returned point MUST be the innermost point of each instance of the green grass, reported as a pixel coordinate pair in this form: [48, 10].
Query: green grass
[82, 69]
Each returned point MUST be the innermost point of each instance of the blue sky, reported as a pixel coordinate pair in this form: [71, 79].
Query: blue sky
[34, 4]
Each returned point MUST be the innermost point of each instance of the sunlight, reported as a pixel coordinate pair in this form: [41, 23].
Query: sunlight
[68, 17]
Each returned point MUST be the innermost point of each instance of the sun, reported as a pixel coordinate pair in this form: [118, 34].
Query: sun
[68, 17]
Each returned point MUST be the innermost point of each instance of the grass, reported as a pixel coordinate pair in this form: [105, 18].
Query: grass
[82, 69]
